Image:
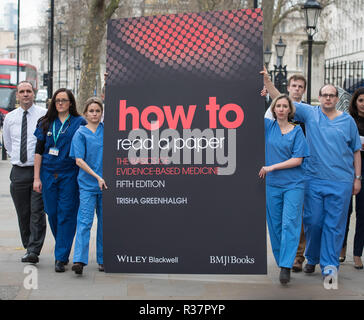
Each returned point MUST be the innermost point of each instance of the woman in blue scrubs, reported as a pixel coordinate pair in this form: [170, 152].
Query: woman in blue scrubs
[55, 172]
[87, 147]
[285, 149]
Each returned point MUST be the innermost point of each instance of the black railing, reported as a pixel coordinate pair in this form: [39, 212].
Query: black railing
[348, 75]
[280, 78]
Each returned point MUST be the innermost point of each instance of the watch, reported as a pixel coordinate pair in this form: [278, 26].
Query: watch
[359, 177]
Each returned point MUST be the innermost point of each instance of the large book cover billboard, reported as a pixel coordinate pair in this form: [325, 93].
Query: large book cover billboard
[183, 144]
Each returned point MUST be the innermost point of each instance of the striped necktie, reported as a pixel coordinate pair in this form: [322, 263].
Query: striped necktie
[23, 141]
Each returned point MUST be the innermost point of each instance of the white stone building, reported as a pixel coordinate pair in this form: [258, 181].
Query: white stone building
[344, 54]
[7, 44]
[345, 26]
[31, 50]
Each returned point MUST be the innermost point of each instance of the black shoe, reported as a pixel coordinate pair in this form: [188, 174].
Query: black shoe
[59, 266]
[30, 257]
[285, 275]
[78, 267]
[101, 268]
[309, 268]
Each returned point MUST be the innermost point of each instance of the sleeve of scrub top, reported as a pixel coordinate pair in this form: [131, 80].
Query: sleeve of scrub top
[355, 143]
[78, 146]
[83, 121]
[300, 147]
[39, 132]
[302, 111]
[268, 123]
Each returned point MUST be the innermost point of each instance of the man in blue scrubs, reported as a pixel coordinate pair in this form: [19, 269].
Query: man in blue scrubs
[333, 174]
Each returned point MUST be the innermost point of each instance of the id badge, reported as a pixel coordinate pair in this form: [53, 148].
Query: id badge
[54, 152]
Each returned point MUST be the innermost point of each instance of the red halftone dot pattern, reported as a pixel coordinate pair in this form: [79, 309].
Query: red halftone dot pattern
[209, 45]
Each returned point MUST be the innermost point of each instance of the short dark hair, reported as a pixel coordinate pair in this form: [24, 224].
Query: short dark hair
[24, 81]
[296, 77]
[326, 85]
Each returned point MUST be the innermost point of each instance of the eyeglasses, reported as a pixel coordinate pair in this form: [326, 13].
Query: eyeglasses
[331, 96]
[58, 101]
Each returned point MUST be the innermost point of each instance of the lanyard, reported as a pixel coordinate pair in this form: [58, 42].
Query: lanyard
[55, 138]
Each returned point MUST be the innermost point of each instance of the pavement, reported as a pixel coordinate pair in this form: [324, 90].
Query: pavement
[20, 281]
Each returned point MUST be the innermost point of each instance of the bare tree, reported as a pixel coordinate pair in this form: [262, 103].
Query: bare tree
[268, 11]
[276, 11]
[207, 5]
[98, 14]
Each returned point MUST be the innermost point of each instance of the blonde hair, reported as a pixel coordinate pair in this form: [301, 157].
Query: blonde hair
[92, 100]
[292, 108]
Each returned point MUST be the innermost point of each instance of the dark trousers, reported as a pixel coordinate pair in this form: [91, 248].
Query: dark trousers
[359, 227]
[29, 208]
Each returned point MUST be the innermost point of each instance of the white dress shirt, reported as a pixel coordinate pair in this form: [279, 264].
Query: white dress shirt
[12, 133]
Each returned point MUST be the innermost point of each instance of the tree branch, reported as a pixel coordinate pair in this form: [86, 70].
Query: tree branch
[278, 18]
[111, 8]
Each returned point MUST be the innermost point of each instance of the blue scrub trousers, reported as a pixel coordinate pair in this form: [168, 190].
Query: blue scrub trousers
[324, 220]
[88, 202]
[284, 218]
[61, 201]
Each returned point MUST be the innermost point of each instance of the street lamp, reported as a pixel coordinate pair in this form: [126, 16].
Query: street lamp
[280, 72]
[280, 50]
[267, 54]
[312, 10]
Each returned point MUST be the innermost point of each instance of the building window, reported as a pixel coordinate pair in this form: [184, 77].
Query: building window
[283, 27]
[299, 61]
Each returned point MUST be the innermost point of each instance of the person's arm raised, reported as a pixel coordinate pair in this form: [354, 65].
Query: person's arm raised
[272, 90]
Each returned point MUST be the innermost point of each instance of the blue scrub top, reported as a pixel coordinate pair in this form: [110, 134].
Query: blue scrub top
[89, 146]
[281, 147]
[63, 161]
[332, 143]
